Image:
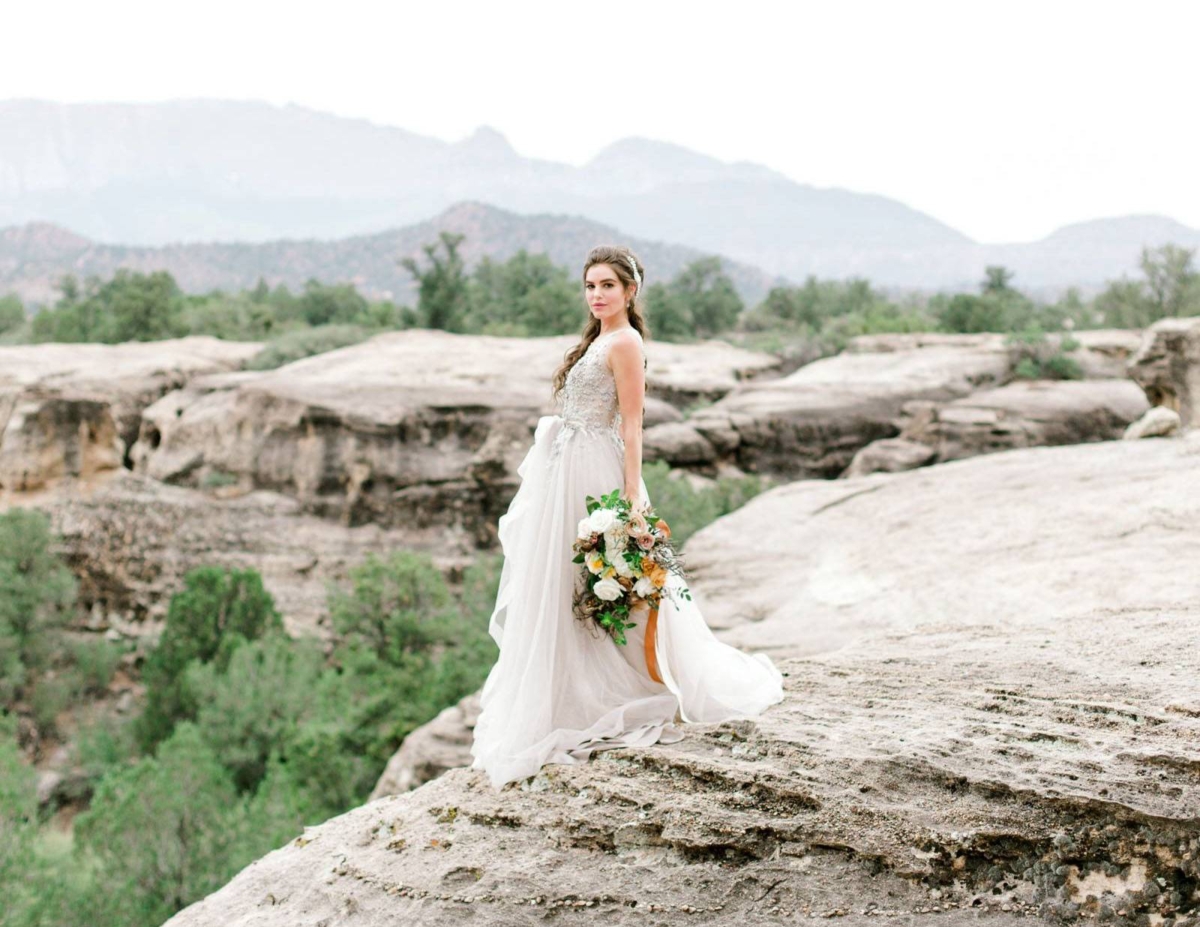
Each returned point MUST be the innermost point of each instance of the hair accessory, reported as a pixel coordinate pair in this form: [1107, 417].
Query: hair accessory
[636, 276]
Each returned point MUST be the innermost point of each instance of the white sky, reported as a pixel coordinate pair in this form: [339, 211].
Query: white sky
[1003, 119]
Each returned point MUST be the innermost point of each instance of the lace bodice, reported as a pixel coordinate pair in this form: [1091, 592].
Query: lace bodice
[589, 395]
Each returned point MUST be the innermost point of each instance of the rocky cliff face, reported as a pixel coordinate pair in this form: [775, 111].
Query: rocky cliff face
[991, 709]
[70, 410]
[1167, 365]
[409, 429]
[952, 394]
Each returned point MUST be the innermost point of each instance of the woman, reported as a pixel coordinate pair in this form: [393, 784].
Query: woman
[562, 689]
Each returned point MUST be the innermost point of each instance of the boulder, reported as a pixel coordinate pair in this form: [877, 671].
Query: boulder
[69, 411]
[431, 749]
[812, 422]
[995, 719]
[1158, 422]
[679, 444]
[889, 455]
[1026, 413]
[1167, 367]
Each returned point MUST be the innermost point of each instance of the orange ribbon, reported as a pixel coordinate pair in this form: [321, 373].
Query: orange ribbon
[651, 656]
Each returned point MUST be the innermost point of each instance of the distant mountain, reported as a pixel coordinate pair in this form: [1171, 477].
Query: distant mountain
[217, 170]
[34, 256]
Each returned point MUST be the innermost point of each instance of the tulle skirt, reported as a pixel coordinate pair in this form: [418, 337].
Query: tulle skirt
[562, 689]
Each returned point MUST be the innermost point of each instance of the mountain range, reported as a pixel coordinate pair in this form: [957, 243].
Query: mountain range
[256, 176]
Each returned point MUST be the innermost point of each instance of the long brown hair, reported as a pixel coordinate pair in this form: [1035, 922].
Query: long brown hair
[618, 259]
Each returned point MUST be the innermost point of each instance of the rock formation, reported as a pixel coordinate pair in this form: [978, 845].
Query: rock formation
[70, 410]
[1167, 365]
[408, 429]
[130, 540]
[991, 707]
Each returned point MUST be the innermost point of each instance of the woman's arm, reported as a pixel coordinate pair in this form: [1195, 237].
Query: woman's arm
[625, 358]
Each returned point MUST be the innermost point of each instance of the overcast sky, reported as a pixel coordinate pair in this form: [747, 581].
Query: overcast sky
[1003, 119]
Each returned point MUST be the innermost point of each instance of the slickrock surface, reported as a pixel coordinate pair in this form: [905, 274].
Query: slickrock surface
[1010, 729]
[1168, 367]
[409, 428]
[70, 410]
[811, 423]
[1024, 413]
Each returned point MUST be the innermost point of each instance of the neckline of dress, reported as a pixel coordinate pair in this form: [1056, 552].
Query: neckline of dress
[629, 328]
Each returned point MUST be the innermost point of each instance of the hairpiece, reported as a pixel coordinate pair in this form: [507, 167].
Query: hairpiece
[636, 276]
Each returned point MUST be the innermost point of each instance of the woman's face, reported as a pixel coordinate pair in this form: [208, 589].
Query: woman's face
[605, 294]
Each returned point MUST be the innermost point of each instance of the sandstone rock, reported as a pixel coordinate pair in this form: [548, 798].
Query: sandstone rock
[657, 411]
[812, 422]
[430, 750]
[1158, 422]
[1007, 719]
[678, 443]
[130, 540]
[889, 455]
[1104, 353]
[410, 428]
[1027, 413]
[1167, 366]
[70, 410]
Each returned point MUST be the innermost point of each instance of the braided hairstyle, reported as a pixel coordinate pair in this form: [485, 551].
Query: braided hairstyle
[619, 259]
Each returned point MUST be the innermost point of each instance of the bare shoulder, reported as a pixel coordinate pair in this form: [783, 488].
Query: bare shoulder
[626, 348]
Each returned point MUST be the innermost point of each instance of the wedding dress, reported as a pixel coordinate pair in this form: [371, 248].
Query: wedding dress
[561, 689]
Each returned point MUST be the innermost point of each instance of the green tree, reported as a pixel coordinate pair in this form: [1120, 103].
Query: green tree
[37, 594]
[442, 289]
[997, 279]
[217, 611]
[708, 291]
[12, 313]
[165, 830]
[527, 295]
[132, 306]
[322, 304]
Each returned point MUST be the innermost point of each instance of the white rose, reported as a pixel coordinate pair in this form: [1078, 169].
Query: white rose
[601, 520]
[585, 529]
[621, 565]
[608, 589]
[644, 587]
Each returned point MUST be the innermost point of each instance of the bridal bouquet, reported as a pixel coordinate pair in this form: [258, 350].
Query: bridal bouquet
[626, 555]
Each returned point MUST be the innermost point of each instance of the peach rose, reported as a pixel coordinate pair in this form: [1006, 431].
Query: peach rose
[663, 527]
[645, 541]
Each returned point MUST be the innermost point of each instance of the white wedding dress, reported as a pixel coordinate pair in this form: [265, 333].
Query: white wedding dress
[562, 689]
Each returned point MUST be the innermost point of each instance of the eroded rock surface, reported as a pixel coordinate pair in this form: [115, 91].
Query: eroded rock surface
[1167, 365]
[812, 422]
[130, 540]
[410, 428]
[71, 410]
[1009, 726]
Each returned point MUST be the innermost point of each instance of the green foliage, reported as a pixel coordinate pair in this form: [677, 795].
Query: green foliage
[698, 303]
[527, 295]
[166, 830]
[1170, 287]
[37, 594]
[442, 299]
[130, 307]
[12, 313]
[216, 612]
[688, 509]
[256, 702]
[95, 661]
[305, 342]
[1037, 357]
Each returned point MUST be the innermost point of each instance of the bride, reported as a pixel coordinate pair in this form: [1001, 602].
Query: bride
[562, 689]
